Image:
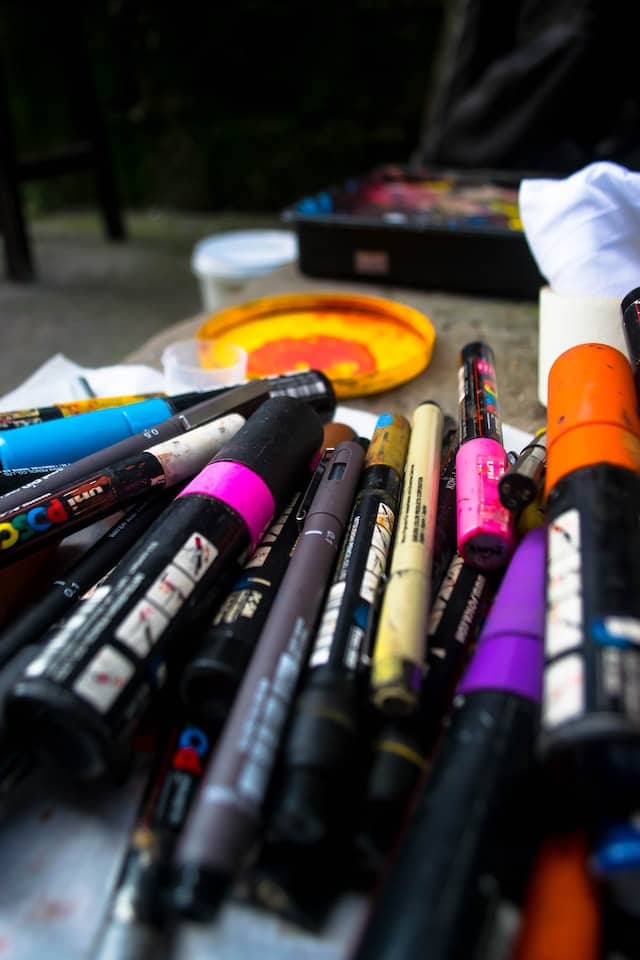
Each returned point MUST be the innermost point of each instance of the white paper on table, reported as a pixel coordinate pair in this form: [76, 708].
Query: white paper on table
[58, 380]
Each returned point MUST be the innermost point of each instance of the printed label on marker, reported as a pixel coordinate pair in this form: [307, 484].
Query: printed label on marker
[240, 603]
[327, 628]
[563, 697]
[444, 593]
[564, 626]
[259, 557]
[378, 553]
[143, 627]
[170, 590]
[103, 678]
[196, 556]
[58, 641]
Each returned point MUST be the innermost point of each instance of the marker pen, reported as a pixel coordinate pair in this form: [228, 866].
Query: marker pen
[309, 386]
[524, 480]
[402, 749]
[590, 736]
[213, 673]
[224, 821]
[11, 419]
[614, 861]
[48, 607]
[468, 813]
[326, 738]
[485, 527]
[561, 915]
[630, 307]
[445, 536]
[81, 699]
[136, 922]
[166, 464]
[398, 655]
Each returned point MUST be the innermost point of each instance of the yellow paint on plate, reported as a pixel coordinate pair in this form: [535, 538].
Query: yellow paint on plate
[363, 344]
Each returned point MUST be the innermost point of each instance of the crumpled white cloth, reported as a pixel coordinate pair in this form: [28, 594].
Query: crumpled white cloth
[59, 380]
[584, 230]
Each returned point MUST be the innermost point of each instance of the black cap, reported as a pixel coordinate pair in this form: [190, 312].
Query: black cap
[277, 442]
[630, 298]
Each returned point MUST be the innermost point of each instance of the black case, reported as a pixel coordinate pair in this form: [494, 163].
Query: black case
[430, 228]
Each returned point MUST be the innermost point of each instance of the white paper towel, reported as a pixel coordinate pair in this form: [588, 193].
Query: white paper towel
[584, 233]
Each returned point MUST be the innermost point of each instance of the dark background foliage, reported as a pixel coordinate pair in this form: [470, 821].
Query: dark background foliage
[239, 106]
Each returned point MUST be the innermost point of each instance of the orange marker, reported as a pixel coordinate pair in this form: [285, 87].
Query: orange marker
[561, 917]
[591, 702]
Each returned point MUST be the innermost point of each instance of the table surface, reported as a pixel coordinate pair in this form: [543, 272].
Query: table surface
[510, 327]
[66, 845]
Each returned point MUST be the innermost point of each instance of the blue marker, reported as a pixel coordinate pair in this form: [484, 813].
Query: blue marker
[71, 438]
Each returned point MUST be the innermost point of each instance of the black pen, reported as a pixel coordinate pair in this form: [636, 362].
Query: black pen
[136, 924]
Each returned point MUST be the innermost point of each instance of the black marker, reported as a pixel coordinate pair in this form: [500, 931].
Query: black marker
[322, 751]
[630, 307]
[82, 698]
[402, 750]
[523, 480]
[465, 839]
[445, 538]
[136, 924]
[31, 624]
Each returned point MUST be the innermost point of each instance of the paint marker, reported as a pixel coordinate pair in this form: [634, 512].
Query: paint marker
[224, 822]
[166, 464]
[630, 307]
[82, 698]
[323, 750]
[32, 623]
[561, 918]
[309, 386]
[485, 527]
[401, 750]
[398, 655]
[524, 480]
[11, 419]
[445, 537]
[590, 737]
[136, 923]
[213, 674]
[468, 813]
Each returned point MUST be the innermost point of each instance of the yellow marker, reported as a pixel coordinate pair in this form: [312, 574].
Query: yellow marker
[399, 652]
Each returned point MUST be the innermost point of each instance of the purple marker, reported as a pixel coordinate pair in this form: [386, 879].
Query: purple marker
[466, 829]
[82, 697]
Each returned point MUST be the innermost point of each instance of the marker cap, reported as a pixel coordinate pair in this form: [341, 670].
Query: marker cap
[592, 412]
[510, 651]
[294, 429]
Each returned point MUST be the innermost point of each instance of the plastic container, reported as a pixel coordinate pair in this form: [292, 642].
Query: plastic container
[226, 262]
[202, 364]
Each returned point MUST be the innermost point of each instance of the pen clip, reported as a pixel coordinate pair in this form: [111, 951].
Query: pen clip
[314, 483]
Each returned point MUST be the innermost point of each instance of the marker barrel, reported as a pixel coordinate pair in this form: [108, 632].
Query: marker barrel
[214, 672]
[630, 307]
[398, 656]
[325, 748]
[485, 527]
[81, 699]
[468, 814]
[590, 737]
[224, 822]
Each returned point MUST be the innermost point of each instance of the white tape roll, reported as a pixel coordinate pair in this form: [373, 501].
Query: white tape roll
[565, 321]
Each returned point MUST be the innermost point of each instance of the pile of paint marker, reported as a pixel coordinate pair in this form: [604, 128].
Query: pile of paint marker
[409, 663]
